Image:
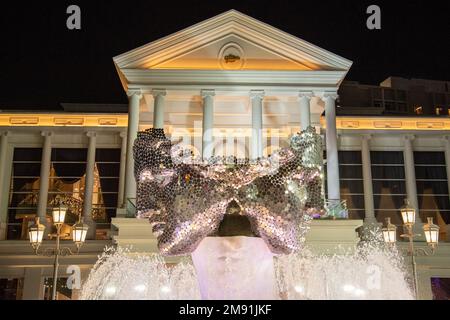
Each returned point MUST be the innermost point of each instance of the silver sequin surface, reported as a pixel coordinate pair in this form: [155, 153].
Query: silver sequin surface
[185, 199]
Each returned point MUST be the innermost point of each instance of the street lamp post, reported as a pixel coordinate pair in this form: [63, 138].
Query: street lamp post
[36, 234]
[431, 232]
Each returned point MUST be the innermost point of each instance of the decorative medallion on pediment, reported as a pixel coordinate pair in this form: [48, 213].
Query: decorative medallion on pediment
[232, 57]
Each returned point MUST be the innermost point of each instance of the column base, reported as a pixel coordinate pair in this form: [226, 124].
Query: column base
[91, 234]
[48, 228]
[3, 231]
[121, 212]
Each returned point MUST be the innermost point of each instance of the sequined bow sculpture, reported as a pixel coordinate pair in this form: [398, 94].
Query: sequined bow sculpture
[186, 198]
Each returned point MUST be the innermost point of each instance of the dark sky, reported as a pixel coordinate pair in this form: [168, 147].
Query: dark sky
[44, 64]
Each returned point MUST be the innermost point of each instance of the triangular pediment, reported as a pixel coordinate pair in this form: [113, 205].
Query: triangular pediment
[232, 41]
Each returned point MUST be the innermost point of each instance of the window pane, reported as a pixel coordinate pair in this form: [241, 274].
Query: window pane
[352, 186]
[69, 154]
[350, 157]
[395, 216]
[356, 214]
[26, 170]
[429, 158]
[431, 173]
[388, 172]
[432, 187]
[388, 201]
[107, 155]
[389, 187]
[27, 154]
[433, 202]
[386, 157]
[109, 169]
[350, 172]
[353, 201]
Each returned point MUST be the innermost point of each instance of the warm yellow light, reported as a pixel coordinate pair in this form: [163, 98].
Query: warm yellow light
[389, 232]
[36, 233]
[418, 110]
[63, 120]
[431, 233]
[389, 123]
[59, 214]
[408, 214]
[79, 232]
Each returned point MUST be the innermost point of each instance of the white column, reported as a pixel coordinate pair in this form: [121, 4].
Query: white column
[334, 193]
[44, 177]
[4, 190]
[305, 110]
[367, 180]
[410, 174]
[89, 184]
[123, 160]
[208, 123]
[257, 97]
[158, 108]
[33, 284]
[133, 128]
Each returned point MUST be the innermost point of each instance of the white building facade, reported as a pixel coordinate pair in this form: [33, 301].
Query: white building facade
[230, 85]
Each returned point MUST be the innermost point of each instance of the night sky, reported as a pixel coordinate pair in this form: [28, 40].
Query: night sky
[43, 64]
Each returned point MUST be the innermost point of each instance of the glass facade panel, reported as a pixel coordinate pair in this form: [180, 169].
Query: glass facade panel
[106, 187]
[351, 182]
[23, 194]
[388, 182]
[67, 180]
[432, 186]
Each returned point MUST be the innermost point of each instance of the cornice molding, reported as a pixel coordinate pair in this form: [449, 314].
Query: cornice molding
[185, 78]
[62, 120]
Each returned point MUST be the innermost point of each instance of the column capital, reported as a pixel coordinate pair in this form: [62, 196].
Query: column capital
[5, 133]
[137, 93]
[91, 134]
[305, 95]
[159, 92]
[366, 137]
[46, 133]
[328, 96]
[409, 137]
[123, 134]
[207, 93]
[257, 94]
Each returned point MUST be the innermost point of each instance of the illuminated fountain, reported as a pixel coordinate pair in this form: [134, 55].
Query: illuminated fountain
[242, 224]
[370, 273]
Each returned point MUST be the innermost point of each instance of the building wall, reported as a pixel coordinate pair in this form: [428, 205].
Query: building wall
[22, 264]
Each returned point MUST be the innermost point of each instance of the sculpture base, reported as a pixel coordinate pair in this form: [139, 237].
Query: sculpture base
[235, 268]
